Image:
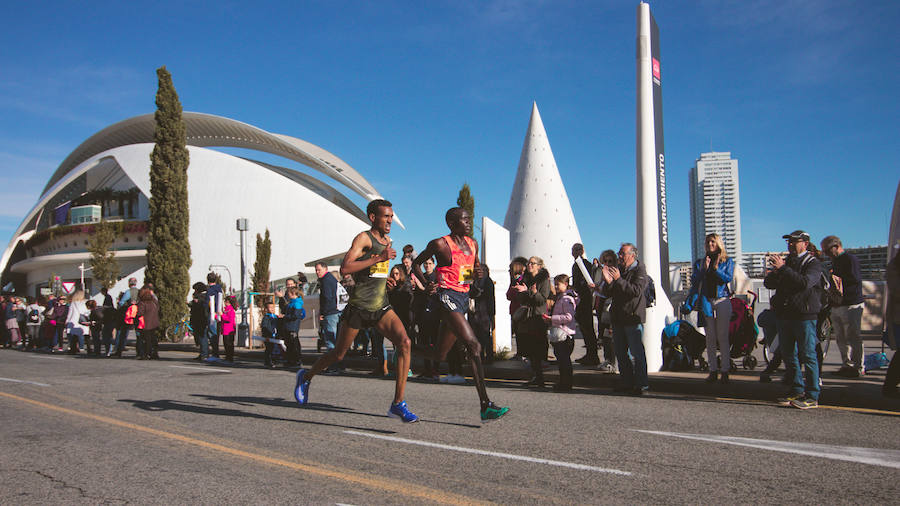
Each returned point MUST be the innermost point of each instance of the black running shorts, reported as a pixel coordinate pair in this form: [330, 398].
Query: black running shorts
[357, 318]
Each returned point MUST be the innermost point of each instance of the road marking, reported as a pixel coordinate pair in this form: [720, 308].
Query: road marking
[372, 481]
[208, 369]
[872, 456]
[821, 406]
[491, 454]
[46, 357]
[26, 382]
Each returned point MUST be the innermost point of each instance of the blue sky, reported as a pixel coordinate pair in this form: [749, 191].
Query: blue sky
[421, 97]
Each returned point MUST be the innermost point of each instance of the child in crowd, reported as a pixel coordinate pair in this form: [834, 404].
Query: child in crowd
[293, 315]
[228, 319]
[562, 328]
[269, 325]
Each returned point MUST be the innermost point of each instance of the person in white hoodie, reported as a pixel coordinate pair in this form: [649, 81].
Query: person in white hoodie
[77, 321]
[562, 329]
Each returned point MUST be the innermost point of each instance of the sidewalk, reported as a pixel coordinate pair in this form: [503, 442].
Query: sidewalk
[858, 393]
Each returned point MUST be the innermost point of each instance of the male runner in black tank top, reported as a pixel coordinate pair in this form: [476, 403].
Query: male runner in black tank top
[453, 317]
[367, 261]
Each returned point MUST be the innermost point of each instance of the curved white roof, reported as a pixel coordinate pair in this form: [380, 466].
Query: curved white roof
[206, 130]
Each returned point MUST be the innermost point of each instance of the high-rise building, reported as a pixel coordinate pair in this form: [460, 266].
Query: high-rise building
[715, 203]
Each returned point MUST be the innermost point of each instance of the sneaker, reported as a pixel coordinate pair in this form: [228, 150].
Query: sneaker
[301, 388]
[444, 379]
[713, 376]
[723, 378]
[607, 368]
[786, 401]
[492, 412]
[401, 411]
[805, 403]
[456, 379]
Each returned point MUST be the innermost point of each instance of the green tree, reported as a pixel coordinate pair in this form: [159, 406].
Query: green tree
[104, 266]
[168, 249]
[261, 272]
[467, 202]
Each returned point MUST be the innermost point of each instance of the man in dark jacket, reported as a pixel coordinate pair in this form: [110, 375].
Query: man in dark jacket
[329, 314]
[584, 311]
[627, 286]
[846, 317]
[797, 282]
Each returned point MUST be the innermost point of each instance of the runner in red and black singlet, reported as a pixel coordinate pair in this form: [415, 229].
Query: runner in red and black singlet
[457, 268]
[367, 260]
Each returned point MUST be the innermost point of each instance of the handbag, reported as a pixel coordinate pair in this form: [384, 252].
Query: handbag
[520, 314]
[556, 335]
[84, 319]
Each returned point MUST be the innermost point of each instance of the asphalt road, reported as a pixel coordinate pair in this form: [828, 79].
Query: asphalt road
[107, 431]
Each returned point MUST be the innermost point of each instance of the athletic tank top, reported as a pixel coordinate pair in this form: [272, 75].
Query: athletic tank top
[370, 294]
[461, 271]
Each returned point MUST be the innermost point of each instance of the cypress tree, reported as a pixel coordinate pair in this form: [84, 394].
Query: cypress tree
[168, 249]
[261, 266]
[104, 266]
[467, 202]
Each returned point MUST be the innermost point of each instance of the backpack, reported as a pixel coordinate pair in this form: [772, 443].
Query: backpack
[831, 294]
[650, 292]
[343, 297]
[34, 316]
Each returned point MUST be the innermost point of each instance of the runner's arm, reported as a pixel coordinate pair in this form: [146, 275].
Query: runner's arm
[361, 242]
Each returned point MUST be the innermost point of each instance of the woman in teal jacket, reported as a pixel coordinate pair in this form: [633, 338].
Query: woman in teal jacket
[710, 296]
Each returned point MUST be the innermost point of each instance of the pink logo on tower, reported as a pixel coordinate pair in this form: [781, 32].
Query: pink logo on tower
[655, 69]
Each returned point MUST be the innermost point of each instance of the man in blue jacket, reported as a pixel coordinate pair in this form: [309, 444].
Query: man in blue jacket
[797, 282]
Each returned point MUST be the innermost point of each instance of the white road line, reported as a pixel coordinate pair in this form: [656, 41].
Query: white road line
[491, 454]
[23, 381]
[46, 357]
[872, 456]
[207, 369]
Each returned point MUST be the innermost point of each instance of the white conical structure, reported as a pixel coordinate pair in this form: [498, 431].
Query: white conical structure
[539, 218]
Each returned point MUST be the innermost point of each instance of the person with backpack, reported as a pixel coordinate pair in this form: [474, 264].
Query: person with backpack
[626, 284]
[199, 311]
[33, 321]
[561, 331]
[797, 281]
[710, 296]
[229, 317]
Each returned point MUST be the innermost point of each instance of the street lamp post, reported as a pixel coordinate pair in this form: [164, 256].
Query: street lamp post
[212, 266]
[244, 327]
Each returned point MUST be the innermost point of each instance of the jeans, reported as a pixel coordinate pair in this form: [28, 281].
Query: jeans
[212, 332]
[329, 330]
[627, 340]
[846, 322]
[798, 347]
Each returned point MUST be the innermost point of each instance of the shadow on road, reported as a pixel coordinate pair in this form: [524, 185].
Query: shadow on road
[281, 402]
[171, 405]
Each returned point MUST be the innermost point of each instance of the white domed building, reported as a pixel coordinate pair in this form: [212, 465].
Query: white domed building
[108, 177]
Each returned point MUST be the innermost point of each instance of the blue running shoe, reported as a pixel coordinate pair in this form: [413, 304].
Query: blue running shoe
[301, 388]
[493, 412]
[401, 411]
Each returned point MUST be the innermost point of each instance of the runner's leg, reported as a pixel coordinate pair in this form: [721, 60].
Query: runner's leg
[392, 328]
[457, 325]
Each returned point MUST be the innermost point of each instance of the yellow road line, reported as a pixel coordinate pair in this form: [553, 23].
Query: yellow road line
[380, 483]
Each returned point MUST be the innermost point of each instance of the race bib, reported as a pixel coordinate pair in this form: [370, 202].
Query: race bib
[379, 270]
[466, 274]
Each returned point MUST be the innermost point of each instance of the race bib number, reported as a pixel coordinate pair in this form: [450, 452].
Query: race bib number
[466, 274]
[379, 270]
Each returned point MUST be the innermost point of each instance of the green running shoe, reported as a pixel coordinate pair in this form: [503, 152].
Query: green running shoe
[492, 412]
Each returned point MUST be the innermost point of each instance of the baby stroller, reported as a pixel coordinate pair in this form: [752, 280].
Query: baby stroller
[743, 332]
[681, 346]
